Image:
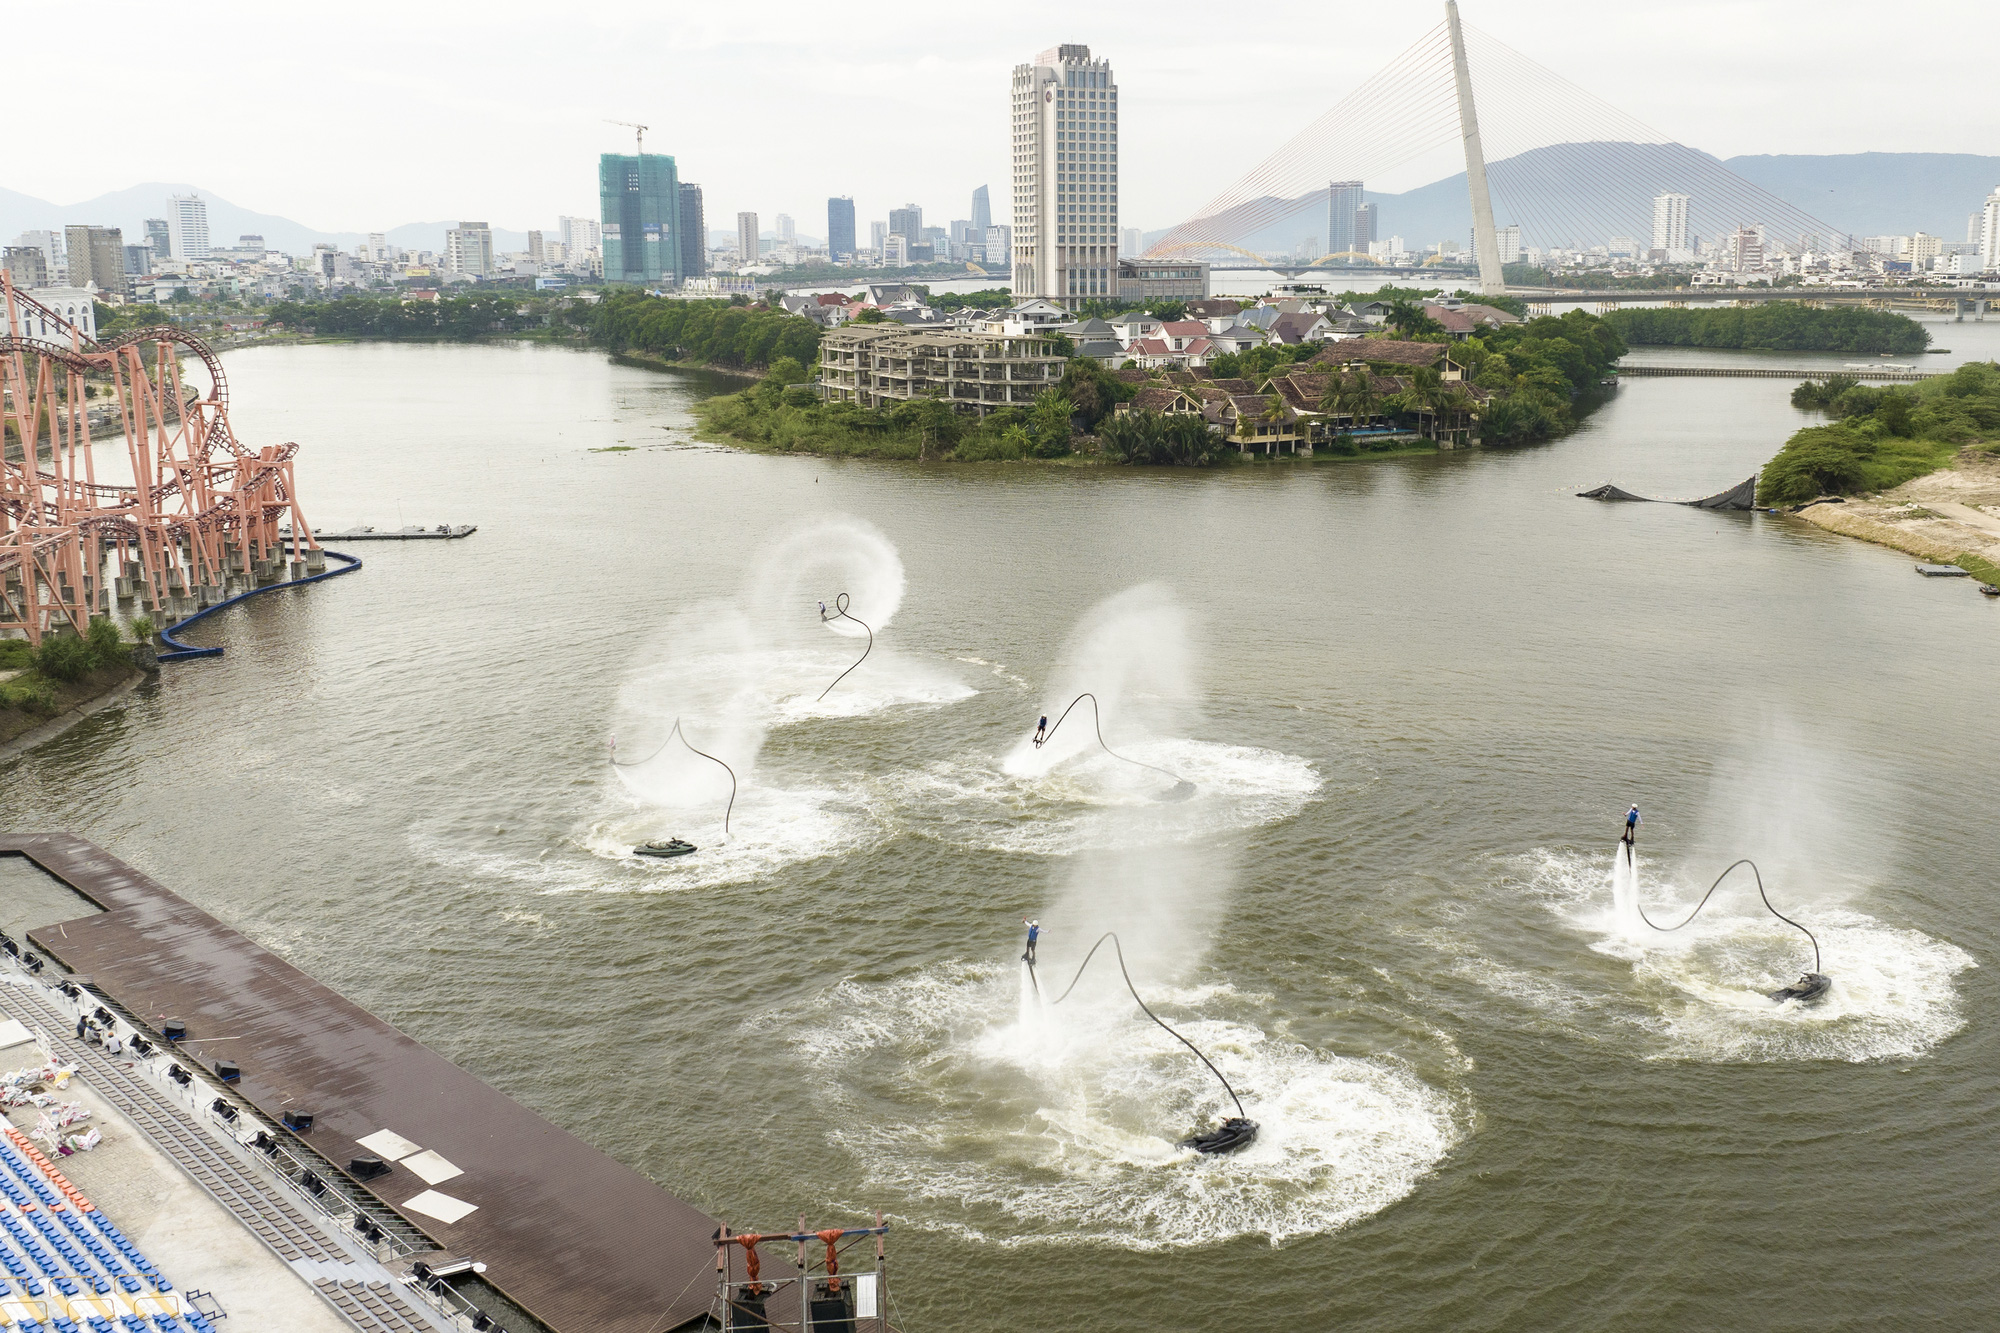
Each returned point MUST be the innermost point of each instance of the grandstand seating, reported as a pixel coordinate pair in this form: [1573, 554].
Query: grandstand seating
[66, 1260]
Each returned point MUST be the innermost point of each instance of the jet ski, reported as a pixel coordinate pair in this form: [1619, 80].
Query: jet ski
[1235, 1132]
[1180, 791]
[671, 847]
[1810, 986]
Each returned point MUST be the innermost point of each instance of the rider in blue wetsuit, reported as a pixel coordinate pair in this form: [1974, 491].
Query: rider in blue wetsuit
[1041, 731]
[1631, 837]
[1034, 934]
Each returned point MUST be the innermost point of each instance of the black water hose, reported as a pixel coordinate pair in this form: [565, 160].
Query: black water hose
[616, 762]
[1112, 935]
[840, 613]
[1097, 722]
[1746, 861]
[183, 651]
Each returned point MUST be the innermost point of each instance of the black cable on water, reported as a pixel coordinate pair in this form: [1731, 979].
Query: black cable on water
[616, 762]
[840, 613]
[1097, 721]
[1746, 861]
[1112, 935]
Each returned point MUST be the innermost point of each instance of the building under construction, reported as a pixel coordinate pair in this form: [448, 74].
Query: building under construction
[186, 518]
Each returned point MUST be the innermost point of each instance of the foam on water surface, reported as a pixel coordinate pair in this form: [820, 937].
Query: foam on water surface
[1010, 1122]
[1702, 990]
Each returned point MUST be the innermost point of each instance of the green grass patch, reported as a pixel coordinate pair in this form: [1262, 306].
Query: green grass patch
[1983, 570]
[614, 449]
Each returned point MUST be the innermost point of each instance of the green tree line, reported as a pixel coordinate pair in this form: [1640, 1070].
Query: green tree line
[1882, 437]
[1785, 326]
[715, 332]
[476, 315]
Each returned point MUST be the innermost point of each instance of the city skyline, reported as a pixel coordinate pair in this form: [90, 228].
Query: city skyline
[360, 169]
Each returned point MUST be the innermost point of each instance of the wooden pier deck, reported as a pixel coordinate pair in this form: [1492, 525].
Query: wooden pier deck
[579, 1241]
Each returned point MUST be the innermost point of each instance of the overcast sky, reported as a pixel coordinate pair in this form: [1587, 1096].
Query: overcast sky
[349, 117]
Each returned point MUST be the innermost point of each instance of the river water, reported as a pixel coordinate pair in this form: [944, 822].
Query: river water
[1414, 697]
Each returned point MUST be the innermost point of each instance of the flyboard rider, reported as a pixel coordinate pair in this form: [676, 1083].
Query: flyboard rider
[1034, 935]
[1041, 731]
[1632, 822]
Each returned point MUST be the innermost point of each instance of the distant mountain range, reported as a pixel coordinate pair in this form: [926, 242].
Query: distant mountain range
[1867, 194]
[128, 210]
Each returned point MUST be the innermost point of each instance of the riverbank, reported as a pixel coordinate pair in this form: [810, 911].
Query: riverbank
[67, 703]
[1951, 516]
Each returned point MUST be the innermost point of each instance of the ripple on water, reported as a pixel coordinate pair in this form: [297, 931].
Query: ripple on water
[1701, 991]
[1016, 1130]
[1096, 801]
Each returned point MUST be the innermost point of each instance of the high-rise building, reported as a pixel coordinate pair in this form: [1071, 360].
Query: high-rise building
[580, 235]
[788, 230]
[748, 247]
[96, 254]
[694, 233]
[982, 211]
[999, 244]
[254, 242]
[50, 243]
[138, 262]
[639, 209]
[161, 237]
[1131, 242]
[26, 266]
[895, 251]
[1343, 200]
[840, 227]
[1989, 233]
[468, 249]
[1064, 113]
[1670, 224]
[378, 246]
[1509, 238]
[189, 226]
[535, 251]
[1745, 249]
[1365, 223]
[907, 222]
[878, 232]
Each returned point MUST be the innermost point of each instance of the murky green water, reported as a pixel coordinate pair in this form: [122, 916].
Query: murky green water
[1415, 696]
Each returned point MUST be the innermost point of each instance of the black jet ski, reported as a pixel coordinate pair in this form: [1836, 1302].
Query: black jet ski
[671, 847]
[1809, 987]
[1235, 1132]
[1989, 590]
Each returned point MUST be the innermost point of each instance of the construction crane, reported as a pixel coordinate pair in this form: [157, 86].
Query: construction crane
[633, 125]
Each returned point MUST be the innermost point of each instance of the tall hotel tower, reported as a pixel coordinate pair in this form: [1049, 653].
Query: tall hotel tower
[1065, 121]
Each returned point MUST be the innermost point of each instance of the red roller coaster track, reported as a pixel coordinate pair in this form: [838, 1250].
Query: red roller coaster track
[197, 522]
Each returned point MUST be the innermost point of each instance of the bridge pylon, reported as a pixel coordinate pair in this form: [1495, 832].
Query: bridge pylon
[1485, 241]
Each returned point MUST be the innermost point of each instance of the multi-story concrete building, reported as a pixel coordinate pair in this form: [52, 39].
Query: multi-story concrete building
[1670, 224]
[26, 266]
[907, 222]
[873, 364]
[1509, 240]
[693, 233]
[161, 237]
[840, 227]
[1989, 233]
[50, 243]
[747, 242]
[1343, 202]
[468, 249]
[982, 212]
[1152, 280]
[639, 207]
[1064, 117]
[895, 251]
[189, 226]
[878, 233]
[97, 255]
[579, 235]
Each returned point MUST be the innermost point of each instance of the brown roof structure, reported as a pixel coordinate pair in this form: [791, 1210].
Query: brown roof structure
[582, 1242]
[1382, 351]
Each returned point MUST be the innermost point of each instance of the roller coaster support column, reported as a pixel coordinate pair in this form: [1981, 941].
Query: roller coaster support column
[1484, 240]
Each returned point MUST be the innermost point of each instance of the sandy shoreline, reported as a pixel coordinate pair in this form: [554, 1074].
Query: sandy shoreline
[1952, 512]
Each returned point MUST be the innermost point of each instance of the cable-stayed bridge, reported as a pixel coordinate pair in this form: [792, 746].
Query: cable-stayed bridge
[1565, 167]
